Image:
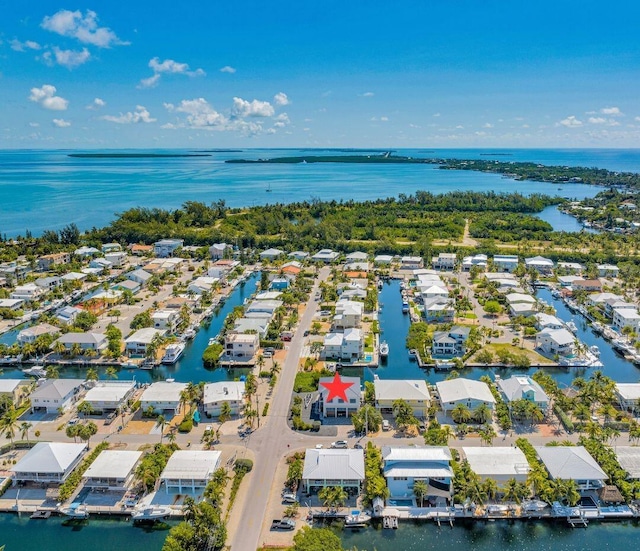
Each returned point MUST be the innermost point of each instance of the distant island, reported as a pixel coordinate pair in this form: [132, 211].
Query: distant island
[384, 158]
[135, 155]
[219, 151]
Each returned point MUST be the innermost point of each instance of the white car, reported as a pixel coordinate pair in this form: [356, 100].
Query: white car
[340, 444]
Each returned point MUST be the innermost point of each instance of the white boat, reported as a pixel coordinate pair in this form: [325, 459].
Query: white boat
[571, 326]
[173, 352]
[534, 506]
[380, 284]
[212, 340]
[35, 371]
[151, 513]
[384, 349]
[444, 365]
[357, 519]
[594, 350]
[405, 307]
[75, 510]
[189, 334]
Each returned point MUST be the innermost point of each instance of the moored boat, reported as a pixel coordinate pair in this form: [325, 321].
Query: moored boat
[384, 349]
[357, 519]
[405, 307]
[75, 510]
[173, 352]
[151, 513]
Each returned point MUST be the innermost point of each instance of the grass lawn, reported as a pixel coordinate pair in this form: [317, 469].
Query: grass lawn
[533, 356]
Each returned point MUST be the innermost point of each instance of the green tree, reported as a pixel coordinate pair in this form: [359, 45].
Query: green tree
[461, 413]
[87, 430]
[9, 423]
[25, 426]
[316, 539]
[161, 422]
[420, 491]
[366, 419]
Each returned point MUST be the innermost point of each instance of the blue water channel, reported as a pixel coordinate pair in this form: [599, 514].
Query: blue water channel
[394, 326]
[189, 367]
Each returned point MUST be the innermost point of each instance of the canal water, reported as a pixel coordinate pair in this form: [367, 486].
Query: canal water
[562, 222]
[394, 326]
[189, 367]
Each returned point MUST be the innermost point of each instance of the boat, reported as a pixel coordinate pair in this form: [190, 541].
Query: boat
[571, 326]
[189, 334]
[151, 513]
[380, 284]
[173, 352]
[129, 365]
[212, 341]
[269, 188]
[357, 519]
[35, 371]
[534, 506]
[405, 307]
[594, 350]
[384, 349]
[75, 510]
[444, 365]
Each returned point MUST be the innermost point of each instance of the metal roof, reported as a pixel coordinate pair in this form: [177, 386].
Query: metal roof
[191, 464]
[113, 464]
[629, 459]
[322, 464]
[49, 457]
[464, 389]
[496, 461]
[415, 454]
[392, 389]
[570, 463]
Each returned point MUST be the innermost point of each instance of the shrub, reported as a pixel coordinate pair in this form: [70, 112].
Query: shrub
[316, 426]
[186, 425]
[265, 409]
[564, 419]
[243, 464]
[135, 406]
[69, 485]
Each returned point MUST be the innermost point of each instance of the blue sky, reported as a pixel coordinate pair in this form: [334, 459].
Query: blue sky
[430, 73]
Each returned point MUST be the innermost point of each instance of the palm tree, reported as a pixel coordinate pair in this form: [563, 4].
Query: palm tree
[76, 349]
[87, 430]
[9, 423]
[490, 488]
[161, 422]
[172, 435]
[260, 361]
[420, 491]
[85, 408]
[404, 413]
[225, 412]
[487, 434]
[482, 413]
[275, 369]
[510, 491]
[24, 430]
[52, 372]
[92, 374]
[112, 372]
[461, 413]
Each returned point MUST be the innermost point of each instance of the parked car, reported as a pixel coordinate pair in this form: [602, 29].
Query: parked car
[289, 497]
[284, 524]
[340, 444]
[386, 425]
[110, 418]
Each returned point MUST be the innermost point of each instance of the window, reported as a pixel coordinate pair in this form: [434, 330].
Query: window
[400, 478]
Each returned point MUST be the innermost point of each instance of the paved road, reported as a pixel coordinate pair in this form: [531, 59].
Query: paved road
[271, 441]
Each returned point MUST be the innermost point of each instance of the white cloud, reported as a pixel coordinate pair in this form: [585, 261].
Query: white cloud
[384, 119]
[487, 125]
[97, 103]
[255, 108]
[613, 111]
[367, 95]
[637, 119]
[570, 122]
[200, 113]
[34, 124]
[69, 58]
[411, 125]
[281, 99]
[61, 123]
[227, 69]
[46, 97]
[83, 28]
[149, 82]
[597, 120]
[22, 46]
[436, 115]
[139, 115]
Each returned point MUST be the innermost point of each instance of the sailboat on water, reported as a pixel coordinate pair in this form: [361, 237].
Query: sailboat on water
[269, 187]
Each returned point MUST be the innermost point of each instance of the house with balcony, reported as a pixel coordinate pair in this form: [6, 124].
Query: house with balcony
[348, 314]
[628, 396]
[218, 251]
[588, 285]
[137, 343]
[572, 463]
[608, 270]
[110, 395]
[163, 396]
[67, 314]
[478, 260]
[444, 261]
[414, 392]
[48, 261]
[28, 292]
[166, 320]
[167, 247]
[505, 262]
[241, 346]
[403, 466]
[337, 406]
[626, 317]
[571, 267]
[344, 346]
[540, 264]
[229, 392]
[31, 334]
[411, 263]
[86, 341]
[49, 283]
[547, 321]
[523, 387]
[139, 276]
[16, 390]
[112, 470]
[439, 310]
[55, 395]
[556, 341]
[329, 467]
[271, 254]
[463, 391]
[189, 471]
[499, 463]
[48, 462]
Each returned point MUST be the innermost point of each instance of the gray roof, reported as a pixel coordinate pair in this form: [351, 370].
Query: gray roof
[333, 464]
[191, 464]
[113, 464]
[514, 387]
[570, 463]
[82, 338]
[56, 389]
[49, 457]
[497, 461]
[629, 459]
[393, 389]
[416, 453]
[463, 389]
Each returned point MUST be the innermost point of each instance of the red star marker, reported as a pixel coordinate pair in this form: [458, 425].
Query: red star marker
[336, 388]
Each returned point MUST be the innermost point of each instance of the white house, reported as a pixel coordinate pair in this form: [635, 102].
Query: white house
[271, 254]
[411, 262]
[30, 334]
[216, 394]
[202, 284]
[556, 341]
[403, 466]
[117, 259]
[241, 346]
[325, 255]
[479, 260]
[15, 389]
[112, 470]
[338, 407]
[137, 343]
[357, 256]
[608, 270]
[68, 314]
[464, 391]
[85, 252]
[27, 292]
[383, 259]
[73, 277]
[523, 387]
[111, 247]
[139, 276]
[626, 317]
[541, 264]
[444, 261]
[263, 306]
[259, 324]
[109, 395]
[322, 468]
[48, 462]
[414, 392]
[629, 459]
[628, 395]
[166, 247]
[166, 320]
[100, 264]
[190, 470]
[571, 267]
[439, 309]
[162, 396]
[450, 343]
[86, 341]
[55, 395]
[547, 321]
[344, 346]
[217, 251]
[348, 314]
[11, 303]
[433, 291]
[499, 463]
[49, 283]
[505, 262]
[572, 463]
[299, 255]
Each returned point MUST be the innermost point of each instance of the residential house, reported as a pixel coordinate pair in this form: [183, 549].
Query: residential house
[403, 466]
[357, 256]
[221, 268]
[15, 270]
[86, 252]
[271, 254]
[299, 255]
[110, 395]
[343, 468]
[628, 396]
[523, 387]
[100, 264]
[439, 310]
[414, 392]
[540, 264]
[291, 269]
[218, 251]
[189, 471]
[48, 462]
[571, 267]
[599, 299]
[127, 285]
[521, 304]
[279, 284]
[444, 261]
[111, 248]
[499, 463]
[450, 343]
[167, 247]
[589, 285]
[68, 314]
[117, 259]
[87, 341]
[263, 306]
[229, 392]
[241, 346]
[16, 390]
[163, 396]
[629, 459]
[383, 259]
[49, 283]
[356, 269]
[567, 281]
[338, 407]
[348, 314]
[479, 260]
[112, 470]
[12, 304]
[547, 321]
[166, 320]
[31, 334]
[626, 317]
[505, 262]
[74, 277]
[608, 270]
[202, 284]
[139, 276]
[346, 346]
[572, 463]
[464, 391]
[137, 249]
[137, 343]
[259, 324]
[55, 395]
[411, 262]
[325, 255]
[48, 261]
[28, 292]
[556, 341]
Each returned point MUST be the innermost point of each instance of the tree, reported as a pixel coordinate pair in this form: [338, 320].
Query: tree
[366, 419]
[487, 434]
[225, 412]
[112, 372]
[87, 430]
[420, 491]
[24, 430]
[461, 413]
[72, 431]
[161, 422]
[484, 357]
[492, 307]
[92, 374]
[404, 413]
[482, 413]
[85, 408]
[9, 423]
[316, 539]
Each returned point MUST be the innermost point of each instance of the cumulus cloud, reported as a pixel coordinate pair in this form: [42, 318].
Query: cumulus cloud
[612, 111]
[167, 66]
[67, 58]
[22, 46]
[487, 125]
[597, 120]
[139, 115]
[281, 99]
[227, 69]
[34, 124]
[97, 103]
[46, 97]
[570, 122]
[61, 123]
[367, 95]
[255, 108]
[81, 27]
[200, 114]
